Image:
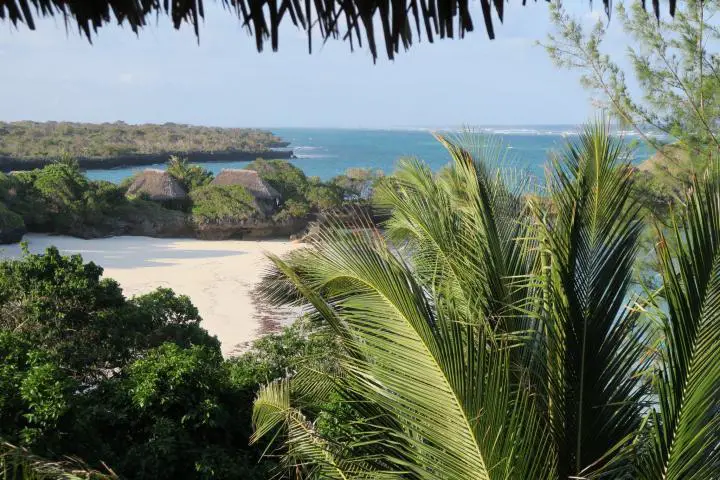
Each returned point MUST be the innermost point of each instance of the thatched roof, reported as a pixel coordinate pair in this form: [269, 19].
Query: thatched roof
[402, 21]
[249, 179]
[158, 185]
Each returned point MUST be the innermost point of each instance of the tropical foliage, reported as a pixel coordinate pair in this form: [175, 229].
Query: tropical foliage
[59, 198]
[49, 140]
[358, 183]
[133, 386]
[223, 203]
[675, 64]
[488, 334]
[190, 175]
[300, 193]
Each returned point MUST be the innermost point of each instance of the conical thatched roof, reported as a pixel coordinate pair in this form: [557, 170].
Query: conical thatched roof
[357, 21]
[158, 185]
[249, 179]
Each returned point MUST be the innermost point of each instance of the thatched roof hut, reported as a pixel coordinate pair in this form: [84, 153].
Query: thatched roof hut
[249, 179]
[158, 185]
[403, 21]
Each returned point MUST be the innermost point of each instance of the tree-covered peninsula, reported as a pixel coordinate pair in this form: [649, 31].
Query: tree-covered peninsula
[26, 145]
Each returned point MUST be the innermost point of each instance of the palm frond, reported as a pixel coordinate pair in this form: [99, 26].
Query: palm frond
[596, 346]
[444, 380]
[401, 22]
[681, 440]
[464, 230]
[307, 451]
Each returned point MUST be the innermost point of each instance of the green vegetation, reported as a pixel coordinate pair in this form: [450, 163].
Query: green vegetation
[675, 63]
[59, 198]
[49, 140]
[10, 220]
[358, 183]
[132, 384]
[190, 176]
[477, 301]
[222, 203]
[302, 195]
[493, 338]
[284, 177]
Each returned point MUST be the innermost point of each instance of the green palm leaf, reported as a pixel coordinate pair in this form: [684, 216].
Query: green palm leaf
[419, 336]
[683, 431]
[595, 345]
[443, 380]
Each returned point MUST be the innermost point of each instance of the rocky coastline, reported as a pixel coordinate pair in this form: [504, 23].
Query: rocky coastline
[176, 224]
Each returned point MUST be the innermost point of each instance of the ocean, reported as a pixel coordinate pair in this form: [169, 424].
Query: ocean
[326, 152]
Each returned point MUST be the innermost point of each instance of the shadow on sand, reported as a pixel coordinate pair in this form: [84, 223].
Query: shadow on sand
[122, 252]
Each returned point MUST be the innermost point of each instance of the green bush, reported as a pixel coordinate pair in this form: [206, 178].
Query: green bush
[324, 197]
[135, 384]
[19, 194]
[34, 393]
[292, 209]
[284, 177]
[190, 176]
[358, 183]
[64, 306]
[216, 203]
[10, 220]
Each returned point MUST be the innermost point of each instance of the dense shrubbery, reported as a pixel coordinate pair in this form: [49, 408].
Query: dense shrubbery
[135, 384]
[284, 177]
[190, 176]
[10, 220]
[59, 198]
[357, 184]
[222, 203]
[302, 195]
[52, 139]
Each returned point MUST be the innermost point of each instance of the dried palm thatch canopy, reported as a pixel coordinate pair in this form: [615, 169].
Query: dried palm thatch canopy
[158, 185]
[345, 19]
[252, 182]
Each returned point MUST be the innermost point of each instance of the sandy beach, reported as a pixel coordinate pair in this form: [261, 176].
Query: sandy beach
[219, 276]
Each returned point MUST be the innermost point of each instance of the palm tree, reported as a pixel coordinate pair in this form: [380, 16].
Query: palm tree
[352, 20]
[190, 176]
[486, 335]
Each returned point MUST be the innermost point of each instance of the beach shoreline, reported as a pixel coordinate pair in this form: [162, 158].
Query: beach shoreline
[218, 276]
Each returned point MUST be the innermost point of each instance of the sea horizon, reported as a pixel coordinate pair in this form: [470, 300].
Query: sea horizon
[327, 152]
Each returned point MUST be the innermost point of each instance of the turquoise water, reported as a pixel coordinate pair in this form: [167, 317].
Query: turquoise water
[329, 152]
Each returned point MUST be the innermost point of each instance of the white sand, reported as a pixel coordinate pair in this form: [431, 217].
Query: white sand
[218, 276]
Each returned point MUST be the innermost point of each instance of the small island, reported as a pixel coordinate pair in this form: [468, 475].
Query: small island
[28, 145]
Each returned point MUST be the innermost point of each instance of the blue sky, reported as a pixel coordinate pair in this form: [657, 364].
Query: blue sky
[165, 75]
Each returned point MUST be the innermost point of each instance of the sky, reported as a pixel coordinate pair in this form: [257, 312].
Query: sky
[164, 75]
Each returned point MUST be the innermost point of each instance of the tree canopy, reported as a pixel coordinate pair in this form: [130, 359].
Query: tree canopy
[401, 21]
